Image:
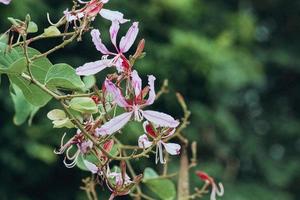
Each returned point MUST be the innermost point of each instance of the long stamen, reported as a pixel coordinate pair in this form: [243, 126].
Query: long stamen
[68, 153]
[74, 162]
[63, 146]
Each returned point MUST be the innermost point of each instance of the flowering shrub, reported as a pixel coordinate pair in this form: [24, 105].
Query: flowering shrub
[95, 117]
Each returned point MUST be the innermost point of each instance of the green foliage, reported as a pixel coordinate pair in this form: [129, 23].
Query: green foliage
[163, 188]
[84, 105]
[23, 109]
[63, 76]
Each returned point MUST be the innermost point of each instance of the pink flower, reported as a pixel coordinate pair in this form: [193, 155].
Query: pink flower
[215, 190]
[91, 9]
[6, 2]
[134, 106]
[118, 60]
[82, 144]
[171, 148]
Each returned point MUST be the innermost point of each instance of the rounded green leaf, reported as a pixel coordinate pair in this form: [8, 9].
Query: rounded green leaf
[32, 27]
[56, 114]
[155, 184]
[33, 94]
[63, 76]
[84, 105]
[149, 173]
[163, 188]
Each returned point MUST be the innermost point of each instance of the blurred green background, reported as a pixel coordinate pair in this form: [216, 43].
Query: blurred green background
[237, 64]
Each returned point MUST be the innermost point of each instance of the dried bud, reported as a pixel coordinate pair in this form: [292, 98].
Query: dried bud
[139, 49]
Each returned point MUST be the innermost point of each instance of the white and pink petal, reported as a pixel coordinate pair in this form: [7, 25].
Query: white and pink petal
[128, 40]
[160, 119]
[93, 67]
[113, 15]
[114, 125]
[152, 94]
[172, 148]
[91, 167]
[116, 92]
[136, 83]
[144, 142]
[95, 33]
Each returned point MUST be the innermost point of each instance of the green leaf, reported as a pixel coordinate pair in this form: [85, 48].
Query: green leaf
[7, 57]
[32, 27]
[84, 105]
[63, 76]
[155, 184]
[32, 93]
[89, 82]
[59, 119]
[14, 63]
[4, 38]
[163, 188]
[149, 173]
[56, 114]
[51, 31]
[23, 109]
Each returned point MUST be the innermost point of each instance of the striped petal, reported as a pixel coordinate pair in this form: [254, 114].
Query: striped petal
[113, 15]
[160, 119]
[95, 33]
[128, 40]
[93, 67]
[114, 124]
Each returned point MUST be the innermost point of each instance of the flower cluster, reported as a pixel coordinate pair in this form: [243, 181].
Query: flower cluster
[95, 115]
[122, 90]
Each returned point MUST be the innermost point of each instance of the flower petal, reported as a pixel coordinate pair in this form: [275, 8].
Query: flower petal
[6, 2]
[93, 67]
[128, 40]
[114, 29]
[116, 92]
[172, 148]
[114, 124]
[144, 142]
[136, 83]
[90, 166]
[113, 15]
[152, 95]
[95, 33]
[160, 119]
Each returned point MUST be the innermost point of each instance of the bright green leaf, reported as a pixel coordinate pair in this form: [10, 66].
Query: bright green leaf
[89, 82]
[51, 31]
[84, 105]
[32, 27]
[56, 114]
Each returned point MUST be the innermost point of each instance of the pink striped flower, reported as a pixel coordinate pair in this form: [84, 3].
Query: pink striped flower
[134, 106]
[118, 59]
